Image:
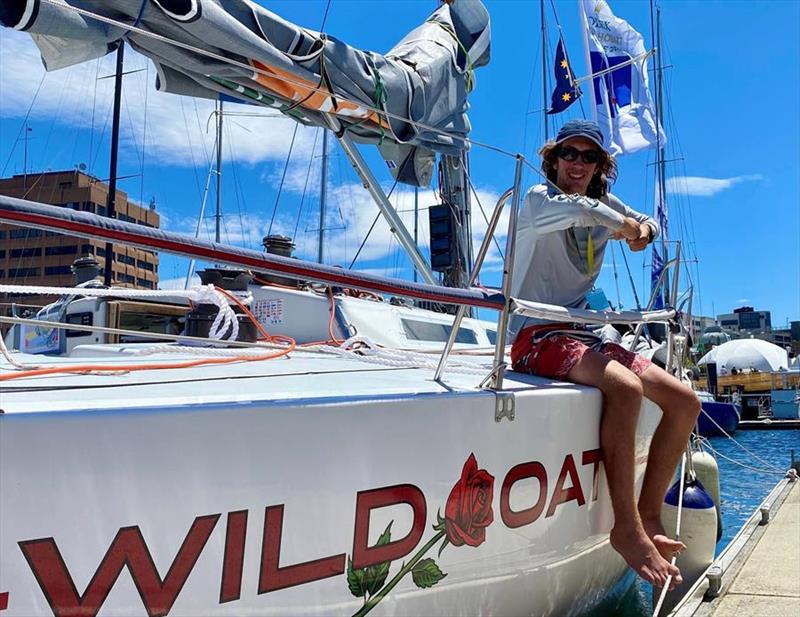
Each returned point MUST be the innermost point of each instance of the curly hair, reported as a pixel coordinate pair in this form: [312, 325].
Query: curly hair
[604, 175]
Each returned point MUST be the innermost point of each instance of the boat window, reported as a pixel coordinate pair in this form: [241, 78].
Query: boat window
[84, 319]
[439, 332]
[148, 322]
[492, 336]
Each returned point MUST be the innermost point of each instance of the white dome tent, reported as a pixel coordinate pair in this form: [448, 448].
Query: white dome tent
[744, 354]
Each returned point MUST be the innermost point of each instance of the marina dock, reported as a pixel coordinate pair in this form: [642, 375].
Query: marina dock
[757, 574]
[767, 425]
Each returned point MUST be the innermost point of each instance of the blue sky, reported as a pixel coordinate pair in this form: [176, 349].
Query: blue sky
[733, 121]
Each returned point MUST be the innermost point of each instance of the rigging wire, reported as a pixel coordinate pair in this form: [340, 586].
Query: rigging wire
[371, 227]
[616, 276]
[291, 145]
[305, 186]
[144, 129]
[94, 108]
[245, 233]
[530, 96]
[630, 277]
[191, 149]
[283, 178]
[24, 123]
[483, 212]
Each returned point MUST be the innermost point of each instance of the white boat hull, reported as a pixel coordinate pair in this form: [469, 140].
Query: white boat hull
[254, 505]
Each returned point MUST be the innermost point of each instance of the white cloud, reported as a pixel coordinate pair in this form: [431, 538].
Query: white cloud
[177, 128]
[705, 187]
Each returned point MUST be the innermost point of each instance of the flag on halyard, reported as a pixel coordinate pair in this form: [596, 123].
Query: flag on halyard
[621, 98]
[657, 262]
[566, 90]
[657, 265]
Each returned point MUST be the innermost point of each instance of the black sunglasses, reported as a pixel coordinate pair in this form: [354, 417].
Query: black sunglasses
[570, 154]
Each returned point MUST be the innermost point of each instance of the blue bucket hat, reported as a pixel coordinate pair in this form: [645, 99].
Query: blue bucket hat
[581, 128]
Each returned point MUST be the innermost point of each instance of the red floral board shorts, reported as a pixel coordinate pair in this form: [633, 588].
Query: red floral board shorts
[555, 356]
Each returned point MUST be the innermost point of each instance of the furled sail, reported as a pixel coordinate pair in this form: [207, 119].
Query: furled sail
[239, 50]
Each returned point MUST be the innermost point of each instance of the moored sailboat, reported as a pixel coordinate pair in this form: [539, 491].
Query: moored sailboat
[284, 480]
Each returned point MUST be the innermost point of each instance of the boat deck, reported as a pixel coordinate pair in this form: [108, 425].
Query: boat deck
[762, 575]
[301, 378]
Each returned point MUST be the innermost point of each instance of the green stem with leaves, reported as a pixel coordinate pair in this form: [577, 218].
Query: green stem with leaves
[373, 601]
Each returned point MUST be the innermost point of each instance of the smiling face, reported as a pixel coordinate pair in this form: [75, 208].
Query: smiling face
[574, 176]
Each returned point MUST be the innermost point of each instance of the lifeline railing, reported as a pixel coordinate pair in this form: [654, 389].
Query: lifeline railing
[88, 225]
[548, 311]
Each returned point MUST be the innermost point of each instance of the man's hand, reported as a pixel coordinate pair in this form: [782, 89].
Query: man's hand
[643, 240]
[630, 230]
[635, 233]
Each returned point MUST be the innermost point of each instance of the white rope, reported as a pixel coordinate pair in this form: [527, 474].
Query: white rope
[201, 351]
[355, 348]
[773, 471]
[368, 351]
[752, 454]
[119, 292]
[674, 559]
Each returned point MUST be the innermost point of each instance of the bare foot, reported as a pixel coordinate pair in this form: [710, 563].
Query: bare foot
[642, 555]
[665, 545]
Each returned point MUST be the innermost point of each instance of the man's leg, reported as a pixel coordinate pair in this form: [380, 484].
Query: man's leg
[680, 407]
[622, 397]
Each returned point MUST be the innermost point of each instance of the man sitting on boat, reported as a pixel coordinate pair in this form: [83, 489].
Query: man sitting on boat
[563, 230]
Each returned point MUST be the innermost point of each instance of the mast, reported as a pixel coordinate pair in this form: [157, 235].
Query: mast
[545, 103]
[661, 156]
[111, 202]
[454, 189]
[218, 210]
[323, 195]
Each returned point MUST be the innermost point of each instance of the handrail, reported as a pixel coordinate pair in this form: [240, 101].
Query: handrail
[89, 225]
[654, 294]
[554, 312]
[498, 370]
[462, 310]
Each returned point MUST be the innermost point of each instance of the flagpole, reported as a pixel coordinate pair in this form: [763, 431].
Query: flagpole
[545, 105]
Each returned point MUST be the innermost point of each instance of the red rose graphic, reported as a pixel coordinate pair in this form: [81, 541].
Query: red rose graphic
[469, 507]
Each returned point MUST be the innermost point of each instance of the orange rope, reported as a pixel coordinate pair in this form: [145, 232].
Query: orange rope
[130, 368]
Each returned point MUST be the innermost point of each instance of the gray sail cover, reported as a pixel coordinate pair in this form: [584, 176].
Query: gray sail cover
[425, 78]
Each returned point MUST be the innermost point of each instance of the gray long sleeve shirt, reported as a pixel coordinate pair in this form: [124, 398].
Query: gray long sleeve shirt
[551, 259]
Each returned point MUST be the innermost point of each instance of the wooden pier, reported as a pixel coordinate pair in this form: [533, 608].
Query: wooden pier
[757, 573]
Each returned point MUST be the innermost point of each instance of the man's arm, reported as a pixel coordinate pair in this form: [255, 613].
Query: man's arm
[649, 229]
[553, 213]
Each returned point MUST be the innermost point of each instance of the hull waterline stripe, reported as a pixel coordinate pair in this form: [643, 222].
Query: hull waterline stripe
[91, 226]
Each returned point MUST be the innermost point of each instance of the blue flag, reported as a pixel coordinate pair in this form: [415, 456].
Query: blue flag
[657, 266]
[566, 90]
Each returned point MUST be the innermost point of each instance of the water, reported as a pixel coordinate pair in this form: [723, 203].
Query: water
[741, 491]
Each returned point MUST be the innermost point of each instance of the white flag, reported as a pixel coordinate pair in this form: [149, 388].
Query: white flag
[622, 104]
